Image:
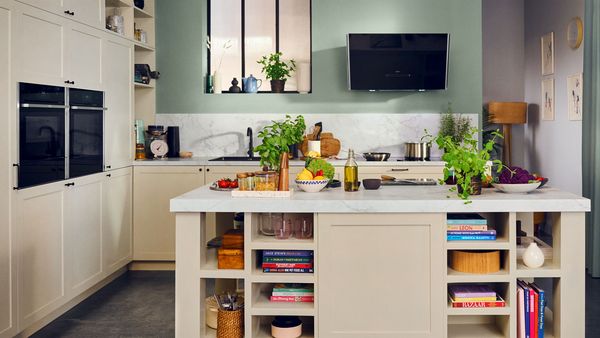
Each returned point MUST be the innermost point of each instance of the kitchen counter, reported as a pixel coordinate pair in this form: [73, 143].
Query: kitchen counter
[378, 243]
[402, 199]
[205, 161]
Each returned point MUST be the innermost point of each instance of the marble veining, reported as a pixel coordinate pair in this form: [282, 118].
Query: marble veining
[212, 135]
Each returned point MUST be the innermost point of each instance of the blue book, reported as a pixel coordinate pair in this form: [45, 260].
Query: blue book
[469, 219]
[478, 233]
[288, 253]
[542, 305]
[527, 310]
[471, 238]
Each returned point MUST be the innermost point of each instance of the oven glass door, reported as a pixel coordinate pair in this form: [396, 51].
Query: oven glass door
[86, 128]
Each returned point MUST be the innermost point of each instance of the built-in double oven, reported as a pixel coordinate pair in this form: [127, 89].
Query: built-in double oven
[61, 133]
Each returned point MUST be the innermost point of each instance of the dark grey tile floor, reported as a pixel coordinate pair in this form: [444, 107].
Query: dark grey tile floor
[142, 304]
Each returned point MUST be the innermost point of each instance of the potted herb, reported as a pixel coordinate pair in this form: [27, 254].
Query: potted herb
[466, 161]
[454, 125]
[277, 70]
[277, 139]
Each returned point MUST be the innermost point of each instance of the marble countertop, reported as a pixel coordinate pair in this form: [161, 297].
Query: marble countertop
[388, 199]
[204, 161]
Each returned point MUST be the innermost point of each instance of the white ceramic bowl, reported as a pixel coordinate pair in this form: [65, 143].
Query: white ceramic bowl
[517, 188]
[312, 185]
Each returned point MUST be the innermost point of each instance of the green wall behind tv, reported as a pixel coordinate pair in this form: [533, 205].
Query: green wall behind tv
[181, 59]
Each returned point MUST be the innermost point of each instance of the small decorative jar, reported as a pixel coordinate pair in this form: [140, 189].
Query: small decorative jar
[533, 257]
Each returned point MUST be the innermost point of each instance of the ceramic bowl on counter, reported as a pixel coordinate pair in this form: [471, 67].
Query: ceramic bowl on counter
[517, 188]
[312, 185]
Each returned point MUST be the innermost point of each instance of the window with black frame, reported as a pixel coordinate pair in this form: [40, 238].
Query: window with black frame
[242, 32]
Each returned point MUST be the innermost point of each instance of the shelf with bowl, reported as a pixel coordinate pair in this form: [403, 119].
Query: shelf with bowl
[261, 326]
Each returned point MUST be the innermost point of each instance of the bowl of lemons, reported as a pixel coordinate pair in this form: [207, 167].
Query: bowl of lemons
[311, 182]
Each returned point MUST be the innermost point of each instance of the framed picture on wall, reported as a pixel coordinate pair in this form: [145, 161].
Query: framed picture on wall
[575, 97]
[547, 99]
[548, 54]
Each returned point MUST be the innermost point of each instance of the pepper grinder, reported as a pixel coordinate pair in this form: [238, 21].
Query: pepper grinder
[284, 172]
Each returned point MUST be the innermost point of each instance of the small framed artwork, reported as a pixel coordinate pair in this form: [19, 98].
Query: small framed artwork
[548, 99]
[548, 54]
[575, 98]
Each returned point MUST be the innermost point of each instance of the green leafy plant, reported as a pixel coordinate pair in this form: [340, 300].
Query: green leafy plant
[276, 69]
[465, 160]
[277, 139]
[454, 125]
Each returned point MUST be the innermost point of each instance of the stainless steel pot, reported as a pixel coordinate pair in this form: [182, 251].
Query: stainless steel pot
[418, 151]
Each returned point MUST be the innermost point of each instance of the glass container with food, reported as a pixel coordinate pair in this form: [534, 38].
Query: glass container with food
[266, 181]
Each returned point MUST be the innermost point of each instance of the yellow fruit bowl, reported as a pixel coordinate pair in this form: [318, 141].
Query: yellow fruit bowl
[312, 185]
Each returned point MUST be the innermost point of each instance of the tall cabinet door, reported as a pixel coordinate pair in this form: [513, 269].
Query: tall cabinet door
[117, 59]
[117, 219]
[86, 11]
[39, 248]
[379, 275]
[154, 224]
[83, 233]
[7, 270]
[84, 57]
[39, 41]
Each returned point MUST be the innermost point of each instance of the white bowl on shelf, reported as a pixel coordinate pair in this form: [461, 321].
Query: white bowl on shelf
[312, 185]
[517, 188]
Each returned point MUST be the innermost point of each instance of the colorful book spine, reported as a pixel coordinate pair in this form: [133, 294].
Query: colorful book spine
[293, 294]
[526, 312]
[288, 265]
[466, 233]
[520, 313]
[474, 299]
[532, 328]
[287, 253]
[497, 303]
[536, 311]
[470, 219]
[471, 238]
[293, 299]
[292, 270]
[287, 259]
[467, 227]
[541, 306]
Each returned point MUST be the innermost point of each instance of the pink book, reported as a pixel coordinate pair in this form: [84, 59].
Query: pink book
[520, 313]
[471, 291]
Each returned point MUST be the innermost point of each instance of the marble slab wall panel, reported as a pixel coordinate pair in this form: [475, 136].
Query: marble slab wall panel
[208, 135]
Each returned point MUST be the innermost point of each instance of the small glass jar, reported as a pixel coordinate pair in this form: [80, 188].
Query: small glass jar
[140, 151]
[251, 181]
[265, 181]
[243, 182]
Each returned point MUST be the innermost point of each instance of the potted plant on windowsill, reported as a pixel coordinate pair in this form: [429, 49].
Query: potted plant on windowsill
[277, 70]
[466, 161]
[277, 139]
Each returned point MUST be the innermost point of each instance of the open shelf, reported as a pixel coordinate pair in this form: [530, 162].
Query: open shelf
[140, 13]
[259, 276]
[261, 326]
[462, 277]
[262, 306]
[501, 222]
[119, 3]
[143, 47]
[262, 242]
[493, 326]
[143, 85]
[502, 290]
[550, 269]
[209, 268]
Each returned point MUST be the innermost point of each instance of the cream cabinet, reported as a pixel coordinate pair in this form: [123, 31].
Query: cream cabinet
[7, 258]
[39, 248]
[390, 247]
[116, 219]
[89, 12]
[117, 62]
[400, 171]
[83, 233]
[72, 52]
[153, 223]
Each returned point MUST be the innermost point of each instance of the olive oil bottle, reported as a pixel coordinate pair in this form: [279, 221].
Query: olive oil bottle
[351, 173]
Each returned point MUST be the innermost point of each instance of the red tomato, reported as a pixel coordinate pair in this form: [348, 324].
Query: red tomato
[233, 184]
[319, 173]
[223, 184]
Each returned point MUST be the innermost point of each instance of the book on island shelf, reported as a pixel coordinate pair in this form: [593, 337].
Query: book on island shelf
[471, 238]
[470, 291]
[269, 259]
[287, 253]
[498, 302]
[288, 270]
[465, 219]
[530, 310]
[292, 299]
[467, 227]
[288, 265]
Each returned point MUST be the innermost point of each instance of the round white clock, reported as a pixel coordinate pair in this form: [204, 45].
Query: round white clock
[159, 148]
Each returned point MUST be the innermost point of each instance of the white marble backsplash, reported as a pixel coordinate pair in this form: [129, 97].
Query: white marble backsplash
[208, 135]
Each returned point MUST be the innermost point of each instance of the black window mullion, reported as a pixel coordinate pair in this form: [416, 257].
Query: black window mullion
[276, 26]
[243, 38]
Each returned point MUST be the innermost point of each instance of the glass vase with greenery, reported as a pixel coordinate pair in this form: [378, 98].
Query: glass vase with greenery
[277, 70]
[454, 125]
[277, 139]
[466, 161]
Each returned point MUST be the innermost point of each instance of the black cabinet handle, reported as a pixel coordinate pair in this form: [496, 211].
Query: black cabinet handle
[69, 13]
[70, 82]
[69, 184]
[108, 175]
[108, 167]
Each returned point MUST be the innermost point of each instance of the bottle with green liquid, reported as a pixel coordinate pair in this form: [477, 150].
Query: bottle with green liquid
[351, 173]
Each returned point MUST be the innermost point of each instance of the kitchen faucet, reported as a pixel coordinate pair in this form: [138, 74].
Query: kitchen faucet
[250, 145]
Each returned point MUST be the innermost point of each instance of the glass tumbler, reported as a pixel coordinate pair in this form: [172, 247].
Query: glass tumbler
[303, 228]
[283, 228]
[268, 222]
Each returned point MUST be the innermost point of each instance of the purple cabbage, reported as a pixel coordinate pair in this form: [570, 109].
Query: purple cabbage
[515, 175]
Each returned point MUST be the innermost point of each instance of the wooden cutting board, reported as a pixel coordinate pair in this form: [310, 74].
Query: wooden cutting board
[330, 146]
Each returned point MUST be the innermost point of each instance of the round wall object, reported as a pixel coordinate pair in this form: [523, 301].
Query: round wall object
[575, 33]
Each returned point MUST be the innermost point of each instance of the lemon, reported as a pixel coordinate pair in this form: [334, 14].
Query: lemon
[319, 178]
[305, 175]
[313, 154]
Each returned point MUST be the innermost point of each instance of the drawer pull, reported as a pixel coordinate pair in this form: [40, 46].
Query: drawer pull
[401, 170]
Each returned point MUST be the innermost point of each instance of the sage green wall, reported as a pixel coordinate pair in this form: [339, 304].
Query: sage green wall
[181, 58]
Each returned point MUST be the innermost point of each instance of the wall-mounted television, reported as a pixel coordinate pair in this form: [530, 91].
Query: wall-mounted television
[398, 62]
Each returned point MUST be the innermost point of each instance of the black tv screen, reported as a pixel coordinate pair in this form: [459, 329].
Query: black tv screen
[398, 62]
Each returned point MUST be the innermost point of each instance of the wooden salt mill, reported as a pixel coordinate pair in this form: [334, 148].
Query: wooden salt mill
[507, 114]
[284, 172]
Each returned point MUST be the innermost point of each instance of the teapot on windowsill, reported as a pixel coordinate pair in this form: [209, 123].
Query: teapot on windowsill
[251, 84]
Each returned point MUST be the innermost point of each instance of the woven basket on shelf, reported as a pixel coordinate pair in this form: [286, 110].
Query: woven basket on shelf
[230, 324]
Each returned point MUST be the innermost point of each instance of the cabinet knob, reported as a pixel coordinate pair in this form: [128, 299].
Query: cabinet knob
[199, 169]
[108, 175]
[69, 184]
[67, 12]
[108, 167]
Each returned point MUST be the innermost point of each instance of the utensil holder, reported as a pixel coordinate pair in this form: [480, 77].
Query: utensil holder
[230, 324]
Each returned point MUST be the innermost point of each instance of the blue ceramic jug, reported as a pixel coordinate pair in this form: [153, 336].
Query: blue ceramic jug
[251, 84]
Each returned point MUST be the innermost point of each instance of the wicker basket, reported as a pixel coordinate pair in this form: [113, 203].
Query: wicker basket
[230, 324]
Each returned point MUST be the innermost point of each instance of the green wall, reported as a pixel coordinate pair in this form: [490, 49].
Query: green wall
[181, 58]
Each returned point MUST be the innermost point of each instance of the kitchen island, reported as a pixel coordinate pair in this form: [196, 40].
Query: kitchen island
[380, 262]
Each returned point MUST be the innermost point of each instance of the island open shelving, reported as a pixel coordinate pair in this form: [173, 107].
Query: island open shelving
[390, 242]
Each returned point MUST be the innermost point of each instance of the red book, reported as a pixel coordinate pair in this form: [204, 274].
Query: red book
[287, 265]
[293, 299]
[537, 314]
[467, 227]
[532, 328]
[497, 303]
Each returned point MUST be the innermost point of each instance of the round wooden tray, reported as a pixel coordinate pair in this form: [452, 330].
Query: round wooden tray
[477, 262]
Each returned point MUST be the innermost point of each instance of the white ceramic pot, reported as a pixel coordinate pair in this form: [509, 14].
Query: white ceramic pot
[533, 257]
[217, 83]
